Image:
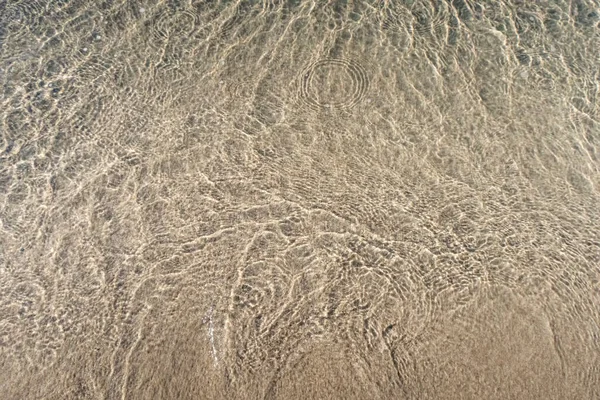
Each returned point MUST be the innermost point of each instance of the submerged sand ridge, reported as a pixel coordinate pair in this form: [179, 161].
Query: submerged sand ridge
[299, 199]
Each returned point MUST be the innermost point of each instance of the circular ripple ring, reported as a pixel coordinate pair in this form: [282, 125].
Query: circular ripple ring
[357, 74]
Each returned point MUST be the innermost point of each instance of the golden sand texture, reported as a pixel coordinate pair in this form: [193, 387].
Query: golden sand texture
[299, 199]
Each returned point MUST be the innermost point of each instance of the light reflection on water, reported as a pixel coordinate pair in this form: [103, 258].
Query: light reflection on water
[299, 199]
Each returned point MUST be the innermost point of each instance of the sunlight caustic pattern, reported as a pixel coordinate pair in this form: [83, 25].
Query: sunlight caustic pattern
[299, 199]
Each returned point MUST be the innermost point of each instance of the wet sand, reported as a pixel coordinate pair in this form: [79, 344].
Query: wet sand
[300, 199]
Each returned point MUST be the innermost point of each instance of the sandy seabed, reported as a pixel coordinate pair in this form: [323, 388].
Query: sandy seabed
[299, 199]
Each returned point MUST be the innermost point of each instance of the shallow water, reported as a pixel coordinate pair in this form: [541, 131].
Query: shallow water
[300, 199]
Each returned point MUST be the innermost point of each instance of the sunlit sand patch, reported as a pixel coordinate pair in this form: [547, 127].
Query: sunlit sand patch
[273, 195]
